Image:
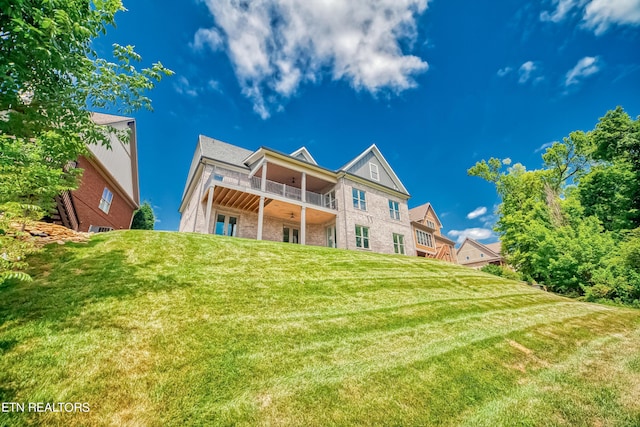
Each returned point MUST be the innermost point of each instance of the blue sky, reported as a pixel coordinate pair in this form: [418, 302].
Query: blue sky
[437, 85]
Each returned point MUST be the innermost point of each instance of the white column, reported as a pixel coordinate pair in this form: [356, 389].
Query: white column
[304, 187]
[263, 183]
[303, 226]
[260, 218]
[207, 220]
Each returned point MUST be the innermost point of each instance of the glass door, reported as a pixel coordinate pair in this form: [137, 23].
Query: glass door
[226, 225]
[331, 236]
[290, 235]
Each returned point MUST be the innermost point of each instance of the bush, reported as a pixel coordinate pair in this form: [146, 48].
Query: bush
[501, 271]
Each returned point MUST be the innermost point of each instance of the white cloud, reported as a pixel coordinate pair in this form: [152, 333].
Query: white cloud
[563, 8]
[504, 71]
[544, 146]
[477, 212]
[526, 71]
[474, 233]
[585, 67]
[277, 45]
[184, 87]
[597, 15]
[207, 37]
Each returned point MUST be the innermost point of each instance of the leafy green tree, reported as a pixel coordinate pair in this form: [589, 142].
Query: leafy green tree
[612, 191]
[51, 77]
[143, 219]
[567, 225]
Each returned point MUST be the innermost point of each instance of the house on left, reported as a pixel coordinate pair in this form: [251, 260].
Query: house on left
[108, 194]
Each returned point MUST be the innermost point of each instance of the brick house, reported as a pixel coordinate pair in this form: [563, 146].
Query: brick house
[269, 195]
[108, 194]
[429, 241]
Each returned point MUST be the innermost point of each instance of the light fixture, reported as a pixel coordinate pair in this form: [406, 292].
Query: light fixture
[293, 180]
[292, 215]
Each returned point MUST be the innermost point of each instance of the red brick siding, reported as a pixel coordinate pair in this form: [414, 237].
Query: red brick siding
[87, 198]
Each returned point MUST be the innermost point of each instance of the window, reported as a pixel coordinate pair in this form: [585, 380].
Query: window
[424, 239]
[330, 200]
[394, 210]
[398, 243]
[362, 237]
[359, 199]
[105, 201]
[226, 225]
[290, 235]
[431, 224]
[373, 169]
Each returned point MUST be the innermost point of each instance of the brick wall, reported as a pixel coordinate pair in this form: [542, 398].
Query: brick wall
[86, 200]
[376, 218]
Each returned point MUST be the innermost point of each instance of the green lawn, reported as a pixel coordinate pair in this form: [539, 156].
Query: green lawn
[156, 329]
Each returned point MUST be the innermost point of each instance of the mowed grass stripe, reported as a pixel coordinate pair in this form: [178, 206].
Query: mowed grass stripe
[185, 329]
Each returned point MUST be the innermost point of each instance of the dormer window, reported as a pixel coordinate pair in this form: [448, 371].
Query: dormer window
[373, 169]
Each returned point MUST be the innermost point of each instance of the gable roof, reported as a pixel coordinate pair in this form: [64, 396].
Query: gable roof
[216, 150]
[119, 161]
[495, 247]
[480, 246]
[373, 150]
[419, 213]
[303, 154]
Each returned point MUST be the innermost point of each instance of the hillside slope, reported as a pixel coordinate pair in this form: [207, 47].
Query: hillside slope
[152, 328]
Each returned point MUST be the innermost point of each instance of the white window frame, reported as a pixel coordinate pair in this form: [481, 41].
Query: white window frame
[398, 243]
[431, 224]
[359, 199]
[394, 209]
[106, 200]
[362, 237]
[373, 171]
[424, 238]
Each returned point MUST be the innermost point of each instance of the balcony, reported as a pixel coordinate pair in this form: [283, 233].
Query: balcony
[243, 180]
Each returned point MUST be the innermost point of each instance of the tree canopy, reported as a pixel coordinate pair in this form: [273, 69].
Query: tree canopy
[143, 219]
[573, 224]
[51, 78]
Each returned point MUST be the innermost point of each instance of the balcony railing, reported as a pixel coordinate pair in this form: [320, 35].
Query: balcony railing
[239, 179]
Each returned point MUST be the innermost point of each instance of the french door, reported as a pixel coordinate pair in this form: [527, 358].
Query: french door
[331, 236]
[226, 225]
[290, 235]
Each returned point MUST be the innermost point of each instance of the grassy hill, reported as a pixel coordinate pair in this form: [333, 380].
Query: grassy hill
[154, 328]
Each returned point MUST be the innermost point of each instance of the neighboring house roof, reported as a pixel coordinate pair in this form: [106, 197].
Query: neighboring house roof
[358, 165]
[491, 254]
[419, 214]
[120, 161]
[495, 247]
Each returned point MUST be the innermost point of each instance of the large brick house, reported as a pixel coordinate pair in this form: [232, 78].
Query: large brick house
[108, 193]
[269, 195]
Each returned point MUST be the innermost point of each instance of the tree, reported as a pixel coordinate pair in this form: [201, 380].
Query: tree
[569, 225]
[51, 78]
[143, 219]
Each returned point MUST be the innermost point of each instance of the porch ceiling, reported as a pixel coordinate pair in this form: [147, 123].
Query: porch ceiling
[236, 199]
[283, 210]
[293, 178]
[274, 208]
